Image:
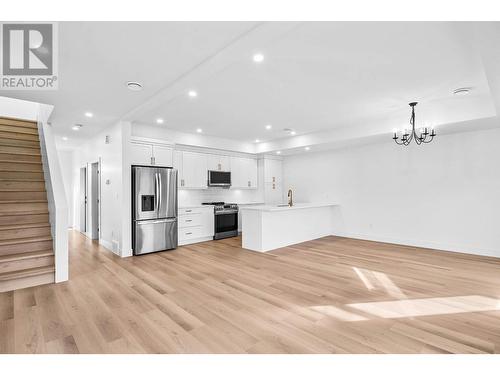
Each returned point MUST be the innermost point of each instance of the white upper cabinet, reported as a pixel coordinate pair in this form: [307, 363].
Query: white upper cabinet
[193, 166]
[273, 171]
[141, 154]
[193, 172]
[243, 173]
[218, 163]
[151, 154]
[162, 156]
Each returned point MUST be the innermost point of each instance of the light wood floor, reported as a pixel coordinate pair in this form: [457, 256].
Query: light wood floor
[333, 295]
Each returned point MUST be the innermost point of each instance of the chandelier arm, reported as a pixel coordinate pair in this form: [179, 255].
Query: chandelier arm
[398, 143]
[408, 140]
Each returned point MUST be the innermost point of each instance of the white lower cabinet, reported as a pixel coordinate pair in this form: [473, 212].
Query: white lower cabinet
[195, 224]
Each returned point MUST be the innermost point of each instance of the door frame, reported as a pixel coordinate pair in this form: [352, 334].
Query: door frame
[94, 202]
[82, 225]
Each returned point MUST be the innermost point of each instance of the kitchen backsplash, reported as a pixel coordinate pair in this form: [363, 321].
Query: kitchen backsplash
[239, 196]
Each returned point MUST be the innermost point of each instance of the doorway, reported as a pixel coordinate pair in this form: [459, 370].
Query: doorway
[94, 201]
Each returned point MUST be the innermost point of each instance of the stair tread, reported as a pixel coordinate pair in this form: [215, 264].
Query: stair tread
[18, 129]
[25, 240]
[24, 226]
[13, 144]
[12, 121]
[27, 255]
[20, 153]
[22, 170]
[24, 201]
[22, 213]
[26, 273]
[35, 190]
[18, 161]
[22, 179]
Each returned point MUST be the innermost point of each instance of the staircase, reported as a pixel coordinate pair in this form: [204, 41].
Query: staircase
[26, 247]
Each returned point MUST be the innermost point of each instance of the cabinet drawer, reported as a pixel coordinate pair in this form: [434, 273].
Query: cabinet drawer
[192, 220]
[190, 211]
[186, 234]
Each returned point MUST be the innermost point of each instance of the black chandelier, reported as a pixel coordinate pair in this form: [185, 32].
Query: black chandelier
[406, 138]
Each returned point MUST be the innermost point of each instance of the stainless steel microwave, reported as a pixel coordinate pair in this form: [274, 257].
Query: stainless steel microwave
[219, 179]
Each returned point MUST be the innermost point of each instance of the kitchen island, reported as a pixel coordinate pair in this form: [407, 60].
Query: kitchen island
[268, 227]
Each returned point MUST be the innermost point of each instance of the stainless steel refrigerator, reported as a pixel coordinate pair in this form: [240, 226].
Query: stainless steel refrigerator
[154, 209]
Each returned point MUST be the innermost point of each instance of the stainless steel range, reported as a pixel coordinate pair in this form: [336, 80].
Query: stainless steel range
[226, 219]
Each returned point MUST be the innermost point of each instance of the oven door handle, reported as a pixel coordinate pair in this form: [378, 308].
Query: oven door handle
[226, 212]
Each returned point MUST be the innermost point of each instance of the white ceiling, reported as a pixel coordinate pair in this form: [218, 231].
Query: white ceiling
[316, 76]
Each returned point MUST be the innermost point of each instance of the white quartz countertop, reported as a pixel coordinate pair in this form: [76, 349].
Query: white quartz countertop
[296, 206]
[208, 205]
[195, 205]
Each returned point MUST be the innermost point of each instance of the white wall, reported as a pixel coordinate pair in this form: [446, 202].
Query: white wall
[66, 164]
[111, 182]
[19, 109]
[444, 195]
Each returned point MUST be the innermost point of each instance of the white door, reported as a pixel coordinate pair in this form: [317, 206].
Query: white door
[94, 201]
[194, 170]
[83, 199]
[162, 156]
[141, 154]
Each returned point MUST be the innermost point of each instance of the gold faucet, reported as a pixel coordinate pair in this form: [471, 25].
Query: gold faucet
[290, 198]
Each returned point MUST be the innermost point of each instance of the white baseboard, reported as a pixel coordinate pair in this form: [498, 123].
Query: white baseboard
[106, 244]
[456, 248]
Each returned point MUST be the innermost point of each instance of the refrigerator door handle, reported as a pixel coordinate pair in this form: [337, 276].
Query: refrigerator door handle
[160, 194]
[157, 192]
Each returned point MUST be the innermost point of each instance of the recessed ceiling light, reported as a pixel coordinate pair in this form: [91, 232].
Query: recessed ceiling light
[199, 130]
[307, 148]
[159, 121]
[64, 138]
[278, 152]
[192, 94]
[89, 114]
[293, 132]
[134, 86]
[257, 140]
[462, 91]
[268, 127]
[258, 57]
[76, 127]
